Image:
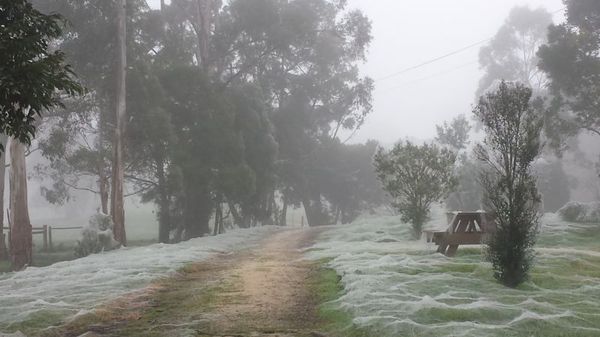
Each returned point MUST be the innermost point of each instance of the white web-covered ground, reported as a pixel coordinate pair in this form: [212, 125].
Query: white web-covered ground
[67, 288]
[394, 286]
[398, 287]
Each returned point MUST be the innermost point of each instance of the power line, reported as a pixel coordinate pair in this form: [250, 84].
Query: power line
[432, 60]
[405, 70]
[429, 77]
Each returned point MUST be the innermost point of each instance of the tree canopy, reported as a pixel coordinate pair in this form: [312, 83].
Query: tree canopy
[570, 60]
[32, 76]
[236, 120]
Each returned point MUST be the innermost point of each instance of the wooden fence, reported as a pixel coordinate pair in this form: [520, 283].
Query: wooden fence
[46, 232]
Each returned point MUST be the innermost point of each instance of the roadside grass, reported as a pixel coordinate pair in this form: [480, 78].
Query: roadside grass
[327, 288]
[63, 251]
[172, 302]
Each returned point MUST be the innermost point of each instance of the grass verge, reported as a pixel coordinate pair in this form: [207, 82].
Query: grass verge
[327, 287]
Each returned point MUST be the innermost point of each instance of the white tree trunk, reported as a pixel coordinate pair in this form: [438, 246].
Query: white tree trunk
[117, 207]
[204, 22]
[20, 226]
[3, 250]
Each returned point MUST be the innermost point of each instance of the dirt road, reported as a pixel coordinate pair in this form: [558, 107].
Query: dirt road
[264, 291]
[270, 297]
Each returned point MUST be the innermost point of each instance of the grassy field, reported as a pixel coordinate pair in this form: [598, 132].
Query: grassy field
[327, 287]
[402, 288]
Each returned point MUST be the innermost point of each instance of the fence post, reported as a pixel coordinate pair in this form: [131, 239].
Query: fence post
[45, 234]
[50, 238]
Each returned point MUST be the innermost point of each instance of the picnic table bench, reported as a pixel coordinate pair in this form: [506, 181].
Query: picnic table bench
[465, 228]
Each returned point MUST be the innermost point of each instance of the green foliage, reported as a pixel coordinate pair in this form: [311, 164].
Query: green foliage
[415, 176]
[233, 131]
[570, 60]
[304, 56]
[454, 134]
[30, 74]
[511, 145]
[346, 177]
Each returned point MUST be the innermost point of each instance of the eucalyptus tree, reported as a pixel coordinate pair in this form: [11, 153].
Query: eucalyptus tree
[77, 139]
[283, 48]
[512, 53]
[511, 145]
[305, 56]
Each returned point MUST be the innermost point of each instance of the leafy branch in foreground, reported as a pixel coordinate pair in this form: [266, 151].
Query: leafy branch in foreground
[31, 76]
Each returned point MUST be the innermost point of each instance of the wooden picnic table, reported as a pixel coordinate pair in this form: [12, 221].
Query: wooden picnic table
[464, 228]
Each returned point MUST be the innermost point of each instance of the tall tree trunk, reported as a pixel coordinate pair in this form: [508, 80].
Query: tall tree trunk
[269, 218]
[117, 207]
[3, 251]
[218, 229]
[164, 211]
[237, 218]
[20, 226]
[314, 211]
[197, 212]
[338, 211]
[104, 193]
[284, 209]
[204, 22]
[308, 211]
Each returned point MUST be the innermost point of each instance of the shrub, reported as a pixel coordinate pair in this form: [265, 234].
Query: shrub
[580, 212]
[415, 176]
[97, 237]
[511, 145]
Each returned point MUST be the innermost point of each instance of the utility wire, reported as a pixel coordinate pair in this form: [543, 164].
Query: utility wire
[429, 77]
[432, 60]
[405, 70]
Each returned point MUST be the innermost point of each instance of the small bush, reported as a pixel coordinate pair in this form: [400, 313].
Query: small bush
[97, 237]
[580, 212]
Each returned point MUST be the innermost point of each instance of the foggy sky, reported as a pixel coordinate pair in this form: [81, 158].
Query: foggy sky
[409, 32]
